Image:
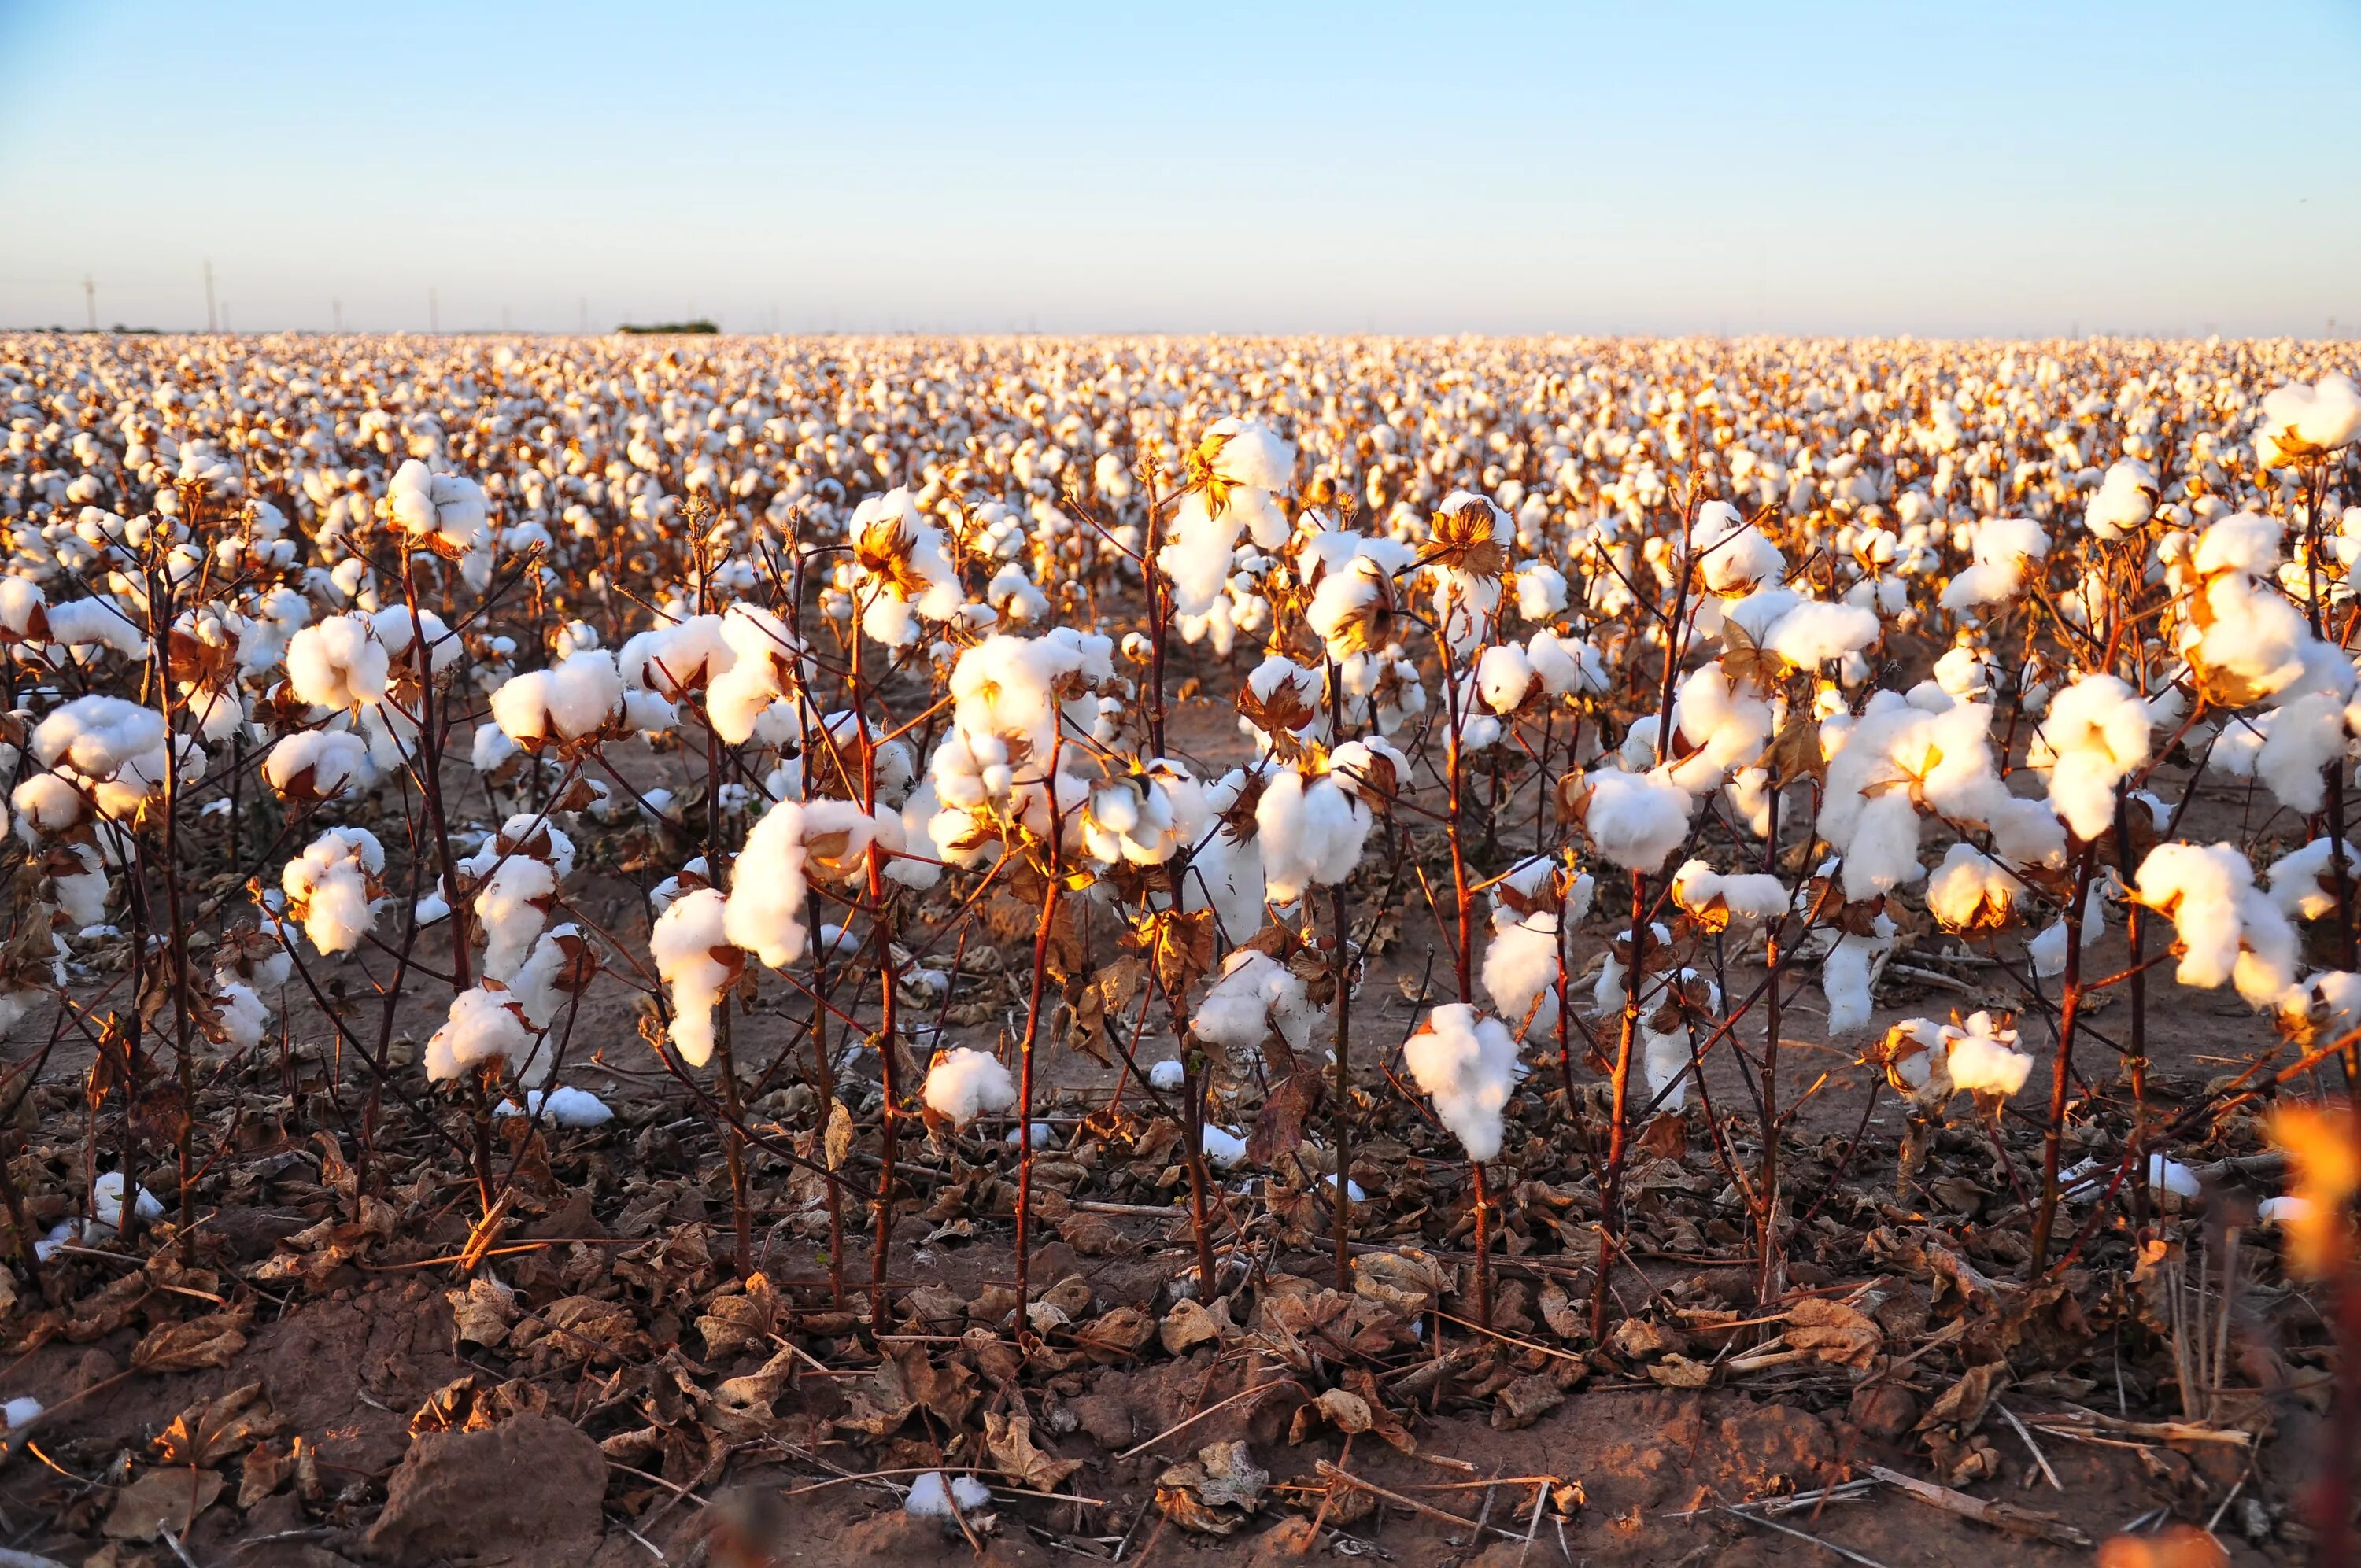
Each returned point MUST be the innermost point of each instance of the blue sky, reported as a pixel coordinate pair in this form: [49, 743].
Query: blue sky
[1960, 168]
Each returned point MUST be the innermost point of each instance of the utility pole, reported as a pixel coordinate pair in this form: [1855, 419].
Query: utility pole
[90, 303]
[336, 313]
[211, 321]
[433, 312]
[586, 315]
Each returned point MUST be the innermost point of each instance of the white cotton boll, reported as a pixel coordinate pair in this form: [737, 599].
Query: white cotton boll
[484, 1025]
[567, 1106]
[1732, 555]
[2171, 1176]
[1881, 853]
[1242, 451]
[2200, 889]
[1541, 591]
[930, 1498]
[2284, 1211]
[107, 1202]
[1167, 1077]
[1637, 820]
[2301, 422]
[243, 1017]
[99, 621]
[1711, 897]
[315, 764]
[338, 664]
[1196, 558]
[82, 894]
[1970, 890]
[445, 507]
[2003, 548]
[2047, 950]
[1665, 1058]
[2026, 832]
[47, 805]
[2307, 736]
[1845, 973]
[1504, 677]
[963, 1084]
[1983, 1057]
[1225, 1150]
[1464, 1060]
[2253, 639]
[2124, 501]
[769, 897]
[1966, 673]
[684, 941]
[512, 903]
[2303, 883]
[22, 1411]
[1037, 1134]
[98, 736]
[331, 889]
[1815, 632]
[1311, 832]
[1253, 994]
[2097, 734]
[1520, 967]
[570, 701]
[2269, 951]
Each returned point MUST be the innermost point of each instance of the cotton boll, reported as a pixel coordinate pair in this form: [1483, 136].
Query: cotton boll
[2200, 890]
[769, 897]
[1253, 994]
[931, 1499]
[1520, 967]
[107, 1202]
[315, 764]
[1845, 973]
[2252, 642]
[2270, 950]
[1982, 1059]
[686, 938]
[98, 736]
[1881, 853]
[485, 1025]
[338, 664]
[1970, 891]
[1167, 1077]
[22, 1411]
[2303, 883]
[1463, 1060]
[1225, 1150]
[570, 701]
[2096, 734]
[1636, 820]
[1714, 900]
[1814, 632]
[1732, 555]
[1312, 832]
[2306, 738]
[2302, 422]
[332, 888]
[1665, 1060]
[963, 1084]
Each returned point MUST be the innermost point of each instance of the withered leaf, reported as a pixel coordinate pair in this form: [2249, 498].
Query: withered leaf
[210, 1341]
[1009, 1439]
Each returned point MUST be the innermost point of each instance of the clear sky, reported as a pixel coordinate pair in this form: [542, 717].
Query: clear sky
[1969, 167]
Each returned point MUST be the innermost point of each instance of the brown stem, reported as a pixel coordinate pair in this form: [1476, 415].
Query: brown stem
[2062, 1078]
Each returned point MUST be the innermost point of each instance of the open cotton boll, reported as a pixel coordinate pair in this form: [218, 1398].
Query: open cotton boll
[1714, 900]
[2096, 734]
[1847, 972]
[338, 663]
[2252, 642]
[1310, 831]
[571, 700]
[1637, 820]
[1983, 1057]
[2200, 889]
[107, 1202]
[963, 1084]
[768, 665]
[2270, 950]
[2304, 884]
[1225, 1150]
[931, 1499]
[1665, 1060]
[484, 1025]
[513, 904]
[2284, 1210]
[769, 897]
[2171, 1176]
[1882, 851]
[98, 736]
[1814, 632]
[2301, 422]
[1520, 967]
[2307, 737]
[1165, 1077]
[21, 1411]
[1244, 451]
[685, 942]
[1465, 1063]
[567, 1106]
[904, 573]
[1504, 677]
[1732, 554]
[446, 510]
[2124, 500]
[1253, 994]
[331, 889]
[315, 764]
[1195, 558]
[1970, 891]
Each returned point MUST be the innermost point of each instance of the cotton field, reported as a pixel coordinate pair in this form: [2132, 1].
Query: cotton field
[1104, 943]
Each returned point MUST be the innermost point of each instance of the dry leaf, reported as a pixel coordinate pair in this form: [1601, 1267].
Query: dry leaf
[1009, 1439]
[161, 1500]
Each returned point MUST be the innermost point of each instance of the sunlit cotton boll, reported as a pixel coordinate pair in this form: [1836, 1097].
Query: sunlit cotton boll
[1637, 820]
[965, 1084]
[1983, 1057]
[1464, 1061]
[685, 940]
[331, 887]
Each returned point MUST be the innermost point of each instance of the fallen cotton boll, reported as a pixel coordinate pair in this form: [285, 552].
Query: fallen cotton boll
[107, 1202]
[1225, 1150]
[931, 1499]
[1352, 1188]
[2284, 1211]
[1166, 1076]
[965, 1083]
[21, 1411]
[567, 1106]
[2171, 1176]
[1043, 1135]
